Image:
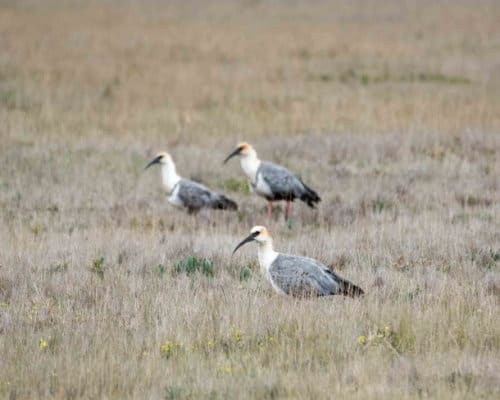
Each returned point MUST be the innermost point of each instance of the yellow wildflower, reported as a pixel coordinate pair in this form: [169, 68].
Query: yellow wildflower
[237, 334]
[36, 228]
[169, 348]
[362, 340]
[43, 344]
[387, 330]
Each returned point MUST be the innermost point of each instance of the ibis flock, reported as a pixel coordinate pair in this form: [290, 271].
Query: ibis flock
[287, 274]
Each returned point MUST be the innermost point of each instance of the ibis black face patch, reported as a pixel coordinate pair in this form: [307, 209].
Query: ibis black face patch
[248, 239]
[234, 153]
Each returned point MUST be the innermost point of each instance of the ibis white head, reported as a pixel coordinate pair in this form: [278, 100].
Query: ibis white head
[266, 252]
[244, 150]
[168, 171]
[249, 160]
[161, 158]
[258, 234]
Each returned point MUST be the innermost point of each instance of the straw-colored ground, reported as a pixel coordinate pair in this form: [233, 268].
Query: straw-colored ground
[389, 109]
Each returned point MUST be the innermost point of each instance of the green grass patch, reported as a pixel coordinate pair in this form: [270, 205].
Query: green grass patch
[97, 267]
[488, 259]
[12, 99]
[161, 269]
[191, 265]
[367, 76]
[436, 77]
[174, 393]
[236, 185]
[379, 204]
[8, 98]
[245, 273]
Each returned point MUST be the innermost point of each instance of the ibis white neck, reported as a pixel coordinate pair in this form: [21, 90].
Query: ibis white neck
[266, 255]
[250, 164]
[169, 175]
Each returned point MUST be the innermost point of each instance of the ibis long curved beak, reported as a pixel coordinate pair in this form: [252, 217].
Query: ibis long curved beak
[248, 239]
[234, 153]
[154, 161]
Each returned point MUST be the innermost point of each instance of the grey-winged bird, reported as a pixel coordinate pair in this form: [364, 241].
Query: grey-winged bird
[295, 275]
[272, 181]
[186, 193]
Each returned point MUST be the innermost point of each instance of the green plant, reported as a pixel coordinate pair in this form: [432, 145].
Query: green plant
[170, 348]
[191, 264]
[236, 185]
[97, 267]
[161, 269]
[245, 273]
[173, 392]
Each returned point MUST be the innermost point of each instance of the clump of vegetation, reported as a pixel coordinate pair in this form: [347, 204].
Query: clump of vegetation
[109, 89]
[457, 378]
[485, 258]
[6, 288]
[436, 77]
[170, 348]
[59, 268]
[236, 334]
[191, 265]
[12, 98]
[368, 76]
[379, 204]
[8, 98]
[141, 224]
[469, 200]
[121, 257]
[173, 393]
[236, 185]
[399, 341]
[36, 228]
[43, 344]
[161, 269]
[245, 273]
[403, 339]
[97, 267]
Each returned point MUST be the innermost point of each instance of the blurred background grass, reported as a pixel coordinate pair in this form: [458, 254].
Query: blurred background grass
[171, 71]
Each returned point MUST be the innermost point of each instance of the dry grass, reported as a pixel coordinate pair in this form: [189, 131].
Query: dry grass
[389, 109]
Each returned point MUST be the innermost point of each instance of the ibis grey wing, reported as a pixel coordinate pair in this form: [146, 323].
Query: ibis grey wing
[193, 195]
[300, 276]
[283, 184]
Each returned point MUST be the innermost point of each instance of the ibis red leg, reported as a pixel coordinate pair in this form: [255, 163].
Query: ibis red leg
[288, 209]
[269, 209]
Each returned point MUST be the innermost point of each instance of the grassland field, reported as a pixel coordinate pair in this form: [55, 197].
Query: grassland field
[389, 109]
